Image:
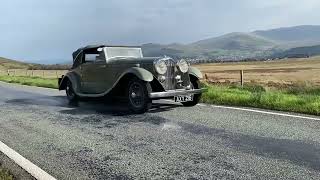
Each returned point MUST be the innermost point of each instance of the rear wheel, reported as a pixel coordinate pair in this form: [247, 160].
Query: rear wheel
[138, 95]
[71, 95]
[195, 84]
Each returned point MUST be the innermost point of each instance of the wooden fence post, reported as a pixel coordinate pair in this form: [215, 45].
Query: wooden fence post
[241, 77]
[43, 73]
[32, 73]
[8, 72]
[57, 73]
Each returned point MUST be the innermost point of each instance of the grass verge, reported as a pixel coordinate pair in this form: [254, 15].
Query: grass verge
[5, 175]
[300, 98]
[31, 81]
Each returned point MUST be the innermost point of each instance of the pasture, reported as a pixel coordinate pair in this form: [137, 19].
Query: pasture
[277, 73]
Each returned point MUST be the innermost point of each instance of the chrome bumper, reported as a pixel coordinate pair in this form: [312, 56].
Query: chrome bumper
[177, 92]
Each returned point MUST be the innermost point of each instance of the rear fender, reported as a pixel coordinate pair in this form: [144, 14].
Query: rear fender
[75, 81]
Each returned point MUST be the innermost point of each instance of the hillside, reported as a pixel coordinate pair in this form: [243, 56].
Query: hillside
[302, 34]
[236, 46]
[12, 64]
[300, 52]
[235, 41]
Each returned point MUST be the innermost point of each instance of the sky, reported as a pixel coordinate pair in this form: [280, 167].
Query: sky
[49, 31]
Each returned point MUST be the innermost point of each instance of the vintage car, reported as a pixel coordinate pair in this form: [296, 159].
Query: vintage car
[103, 70]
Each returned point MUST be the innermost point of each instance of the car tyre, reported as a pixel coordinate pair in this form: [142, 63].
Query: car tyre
[195, 84]
[71, 95]
[137, 94]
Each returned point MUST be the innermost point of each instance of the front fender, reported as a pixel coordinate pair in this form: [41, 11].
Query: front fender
[140, 73]
[195, 72]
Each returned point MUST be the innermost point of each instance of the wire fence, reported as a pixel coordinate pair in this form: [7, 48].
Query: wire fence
[33, 73]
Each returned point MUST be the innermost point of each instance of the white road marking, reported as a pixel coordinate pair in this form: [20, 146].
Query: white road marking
[203, 105]
[32, 169]
[266, 112]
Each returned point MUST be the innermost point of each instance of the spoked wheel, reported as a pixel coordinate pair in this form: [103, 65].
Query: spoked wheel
[195, 84]
[138, 95]
[71, 95]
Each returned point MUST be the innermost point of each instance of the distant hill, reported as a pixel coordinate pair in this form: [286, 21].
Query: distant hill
[300, 52]
[12, 64]
[235, 46]
[236, 41]
[298, 34]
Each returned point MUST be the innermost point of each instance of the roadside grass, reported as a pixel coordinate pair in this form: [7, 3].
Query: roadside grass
[294, 99]
[300, 97]
[5, 175]
[31, 81]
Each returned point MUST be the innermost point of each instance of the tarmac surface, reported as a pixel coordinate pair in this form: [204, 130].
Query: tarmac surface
[101, 140]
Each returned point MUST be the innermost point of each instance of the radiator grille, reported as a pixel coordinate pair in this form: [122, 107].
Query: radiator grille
[170, 83]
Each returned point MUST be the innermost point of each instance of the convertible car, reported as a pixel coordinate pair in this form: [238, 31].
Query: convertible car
[103, 70]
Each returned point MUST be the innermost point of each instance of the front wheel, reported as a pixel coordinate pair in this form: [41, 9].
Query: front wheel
[195, 84]
[138, 95]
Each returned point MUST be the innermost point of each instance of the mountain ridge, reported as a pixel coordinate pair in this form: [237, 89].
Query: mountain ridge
[241, 45]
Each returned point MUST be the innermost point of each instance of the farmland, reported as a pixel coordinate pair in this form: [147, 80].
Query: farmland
[284, 72]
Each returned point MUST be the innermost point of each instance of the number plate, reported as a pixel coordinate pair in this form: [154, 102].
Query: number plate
[183, 98]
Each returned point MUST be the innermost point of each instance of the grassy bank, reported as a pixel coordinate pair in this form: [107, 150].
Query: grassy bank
[294, 99]
[5, 175]
[300, 98]
[31, 81]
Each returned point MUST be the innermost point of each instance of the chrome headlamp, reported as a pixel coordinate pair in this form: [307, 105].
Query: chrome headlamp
[160, 66]
[183, 65]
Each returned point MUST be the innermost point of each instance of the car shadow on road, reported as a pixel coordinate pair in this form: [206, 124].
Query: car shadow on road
[114, 107]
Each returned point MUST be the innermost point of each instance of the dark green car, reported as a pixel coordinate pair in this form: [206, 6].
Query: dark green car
[103, 70]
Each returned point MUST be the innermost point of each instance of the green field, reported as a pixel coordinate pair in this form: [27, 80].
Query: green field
[300, 98]
[31, 81]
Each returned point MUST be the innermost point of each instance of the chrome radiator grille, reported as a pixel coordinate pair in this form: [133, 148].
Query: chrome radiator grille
[170, 83]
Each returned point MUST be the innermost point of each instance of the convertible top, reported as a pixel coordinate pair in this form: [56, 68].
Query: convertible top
[94, 47]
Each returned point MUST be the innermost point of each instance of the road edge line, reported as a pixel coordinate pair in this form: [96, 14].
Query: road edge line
[266, 112]
[25, 164]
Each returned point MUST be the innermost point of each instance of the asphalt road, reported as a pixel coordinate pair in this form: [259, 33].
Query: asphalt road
[99, 140]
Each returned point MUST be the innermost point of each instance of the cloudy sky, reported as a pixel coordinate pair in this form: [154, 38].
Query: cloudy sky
[49, 30]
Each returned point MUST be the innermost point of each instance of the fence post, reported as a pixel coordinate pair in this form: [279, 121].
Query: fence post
[8, 72]
[241, 77]
[57, 73]
[32, 73]
[43, 73]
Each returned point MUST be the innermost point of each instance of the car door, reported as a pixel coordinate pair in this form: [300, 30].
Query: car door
[89, 74]
[93, 74]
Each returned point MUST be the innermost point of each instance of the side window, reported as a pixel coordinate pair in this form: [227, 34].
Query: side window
[94, 57]
[100, 57]
[89, 58]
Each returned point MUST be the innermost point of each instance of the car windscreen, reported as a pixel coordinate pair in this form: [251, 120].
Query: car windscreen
[113, 52]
